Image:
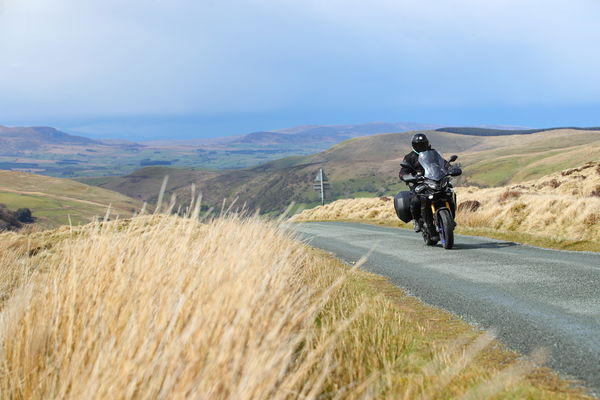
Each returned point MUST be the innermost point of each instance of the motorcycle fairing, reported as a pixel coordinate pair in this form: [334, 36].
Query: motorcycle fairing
[433, 164]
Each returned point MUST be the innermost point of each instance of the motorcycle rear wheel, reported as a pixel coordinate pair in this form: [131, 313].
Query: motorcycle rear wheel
[446, 228]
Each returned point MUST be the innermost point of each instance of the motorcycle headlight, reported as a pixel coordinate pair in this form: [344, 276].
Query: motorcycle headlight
[432, 185]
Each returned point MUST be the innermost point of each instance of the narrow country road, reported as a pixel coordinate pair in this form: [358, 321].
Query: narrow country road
[531, 297]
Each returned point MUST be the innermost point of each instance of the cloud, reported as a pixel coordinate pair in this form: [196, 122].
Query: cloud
[73, 57]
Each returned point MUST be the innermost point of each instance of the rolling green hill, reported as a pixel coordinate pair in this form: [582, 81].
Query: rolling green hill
[368, 166]
[56, 201]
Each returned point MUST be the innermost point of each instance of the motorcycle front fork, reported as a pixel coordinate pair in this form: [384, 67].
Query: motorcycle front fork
[427, 218]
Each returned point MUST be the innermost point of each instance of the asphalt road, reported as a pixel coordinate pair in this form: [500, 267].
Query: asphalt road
[531, 297]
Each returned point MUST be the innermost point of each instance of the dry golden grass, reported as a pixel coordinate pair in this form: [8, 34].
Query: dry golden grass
[234, 308]
[159, 307]
[563, 207]
[373, 209]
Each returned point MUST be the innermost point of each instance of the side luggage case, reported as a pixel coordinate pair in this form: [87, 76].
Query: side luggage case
[402, 206]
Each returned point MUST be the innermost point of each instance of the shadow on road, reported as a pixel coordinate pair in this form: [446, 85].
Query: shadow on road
[490, 245]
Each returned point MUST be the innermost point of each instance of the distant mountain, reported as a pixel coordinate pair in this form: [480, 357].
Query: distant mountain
[325, 135]
[360, 129]
[34, 138]
[485, 131]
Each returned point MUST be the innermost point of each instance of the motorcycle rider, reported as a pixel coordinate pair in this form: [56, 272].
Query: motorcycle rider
[420, 143]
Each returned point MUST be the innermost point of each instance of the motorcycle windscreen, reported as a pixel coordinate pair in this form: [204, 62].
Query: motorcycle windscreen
[433, 164]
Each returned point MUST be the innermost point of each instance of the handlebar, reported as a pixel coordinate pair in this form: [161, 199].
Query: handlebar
[411, 178]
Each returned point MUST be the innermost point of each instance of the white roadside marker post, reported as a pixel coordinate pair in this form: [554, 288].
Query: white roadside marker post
[321, 184]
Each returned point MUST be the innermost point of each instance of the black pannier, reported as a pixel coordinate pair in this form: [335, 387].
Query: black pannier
[402, 206]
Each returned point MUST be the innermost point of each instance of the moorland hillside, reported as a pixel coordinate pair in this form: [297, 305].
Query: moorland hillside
[368, 166]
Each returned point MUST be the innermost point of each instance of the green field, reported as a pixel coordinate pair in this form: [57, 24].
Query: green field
[51, 212]
[56, 201]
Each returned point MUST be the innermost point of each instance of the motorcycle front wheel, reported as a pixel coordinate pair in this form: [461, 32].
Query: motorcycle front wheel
[446, 228]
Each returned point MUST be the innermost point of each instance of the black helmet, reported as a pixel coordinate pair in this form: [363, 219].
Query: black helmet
[420, 143]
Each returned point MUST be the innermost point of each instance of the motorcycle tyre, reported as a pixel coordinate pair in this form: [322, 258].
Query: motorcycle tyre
[446, 225]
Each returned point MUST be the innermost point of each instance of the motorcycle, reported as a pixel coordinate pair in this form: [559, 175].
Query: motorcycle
[436, 195]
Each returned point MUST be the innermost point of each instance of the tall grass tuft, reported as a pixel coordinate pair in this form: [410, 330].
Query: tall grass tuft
[159, 307]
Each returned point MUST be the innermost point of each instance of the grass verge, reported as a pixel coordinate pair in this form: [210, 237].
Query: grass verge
[533, 240]
[408, 350]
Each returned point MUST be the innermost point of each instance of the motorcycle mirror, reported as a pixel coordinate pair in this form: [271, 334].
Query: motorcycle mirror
[455, 171]
[453, 158]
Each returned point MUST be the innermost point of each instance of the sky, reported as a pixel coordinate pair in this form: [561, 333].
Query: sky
[204, 68]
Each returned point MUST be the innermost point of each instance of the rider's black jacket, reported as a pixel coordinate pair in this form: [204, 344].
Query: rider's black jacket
[411, 159]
